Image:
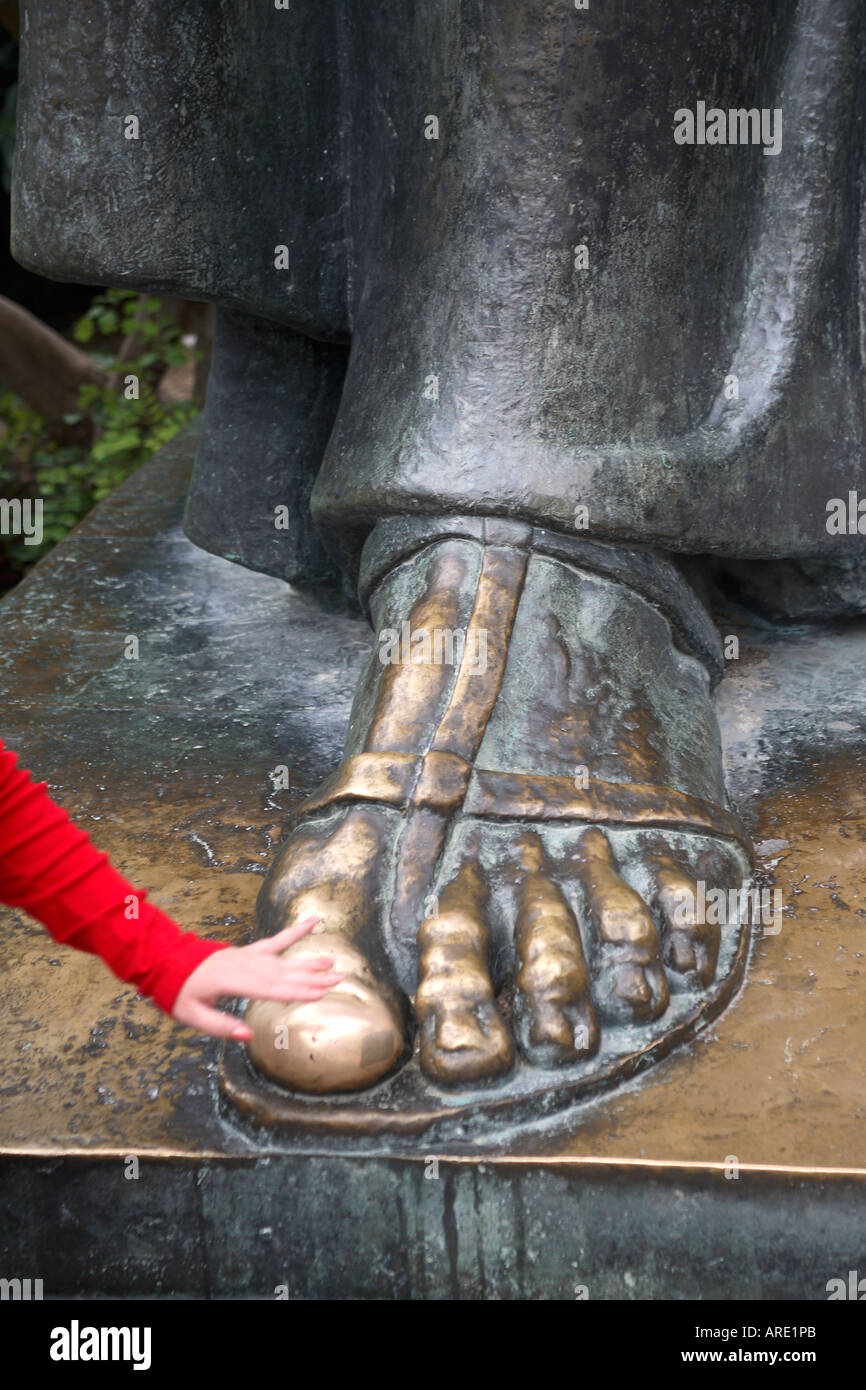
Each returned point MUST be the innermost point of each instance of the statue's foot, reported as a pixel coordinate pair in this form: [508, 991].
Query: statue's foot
[530, 799]
[356, 1032]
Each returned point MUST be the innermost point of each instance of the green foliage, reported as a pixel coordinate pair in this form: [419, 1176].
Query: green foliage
[71, 479]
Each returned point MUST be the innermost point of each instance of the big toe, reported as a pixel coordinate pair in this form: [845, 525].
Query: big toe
[344, 1041]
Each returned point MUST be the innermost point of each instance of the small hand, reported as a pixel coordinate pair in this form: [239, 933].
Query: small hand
[257, 971]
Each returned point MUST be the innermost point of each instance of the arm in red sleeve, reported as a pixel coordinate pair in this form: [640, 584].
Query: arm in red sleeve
[54, 872]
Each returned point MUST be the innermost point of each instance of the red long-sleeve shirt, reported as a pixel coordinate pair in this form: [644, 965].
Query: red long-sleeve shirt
[54, 872]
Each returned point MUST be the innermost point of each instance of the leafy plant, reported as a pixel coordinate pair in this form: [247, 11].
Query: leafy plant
[129, 421]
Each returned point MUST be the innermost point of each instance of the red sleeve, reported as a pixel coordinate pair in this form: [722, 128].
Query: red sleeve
[54, 872]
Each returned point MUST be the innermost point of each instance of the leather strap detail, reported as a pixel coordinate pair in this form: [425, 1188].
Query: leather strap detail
[439, 780]
[526, 796]
[444, 781]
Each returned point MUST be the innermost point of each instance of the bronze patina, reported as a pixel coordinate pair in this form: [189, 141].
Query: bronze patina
[596, 376]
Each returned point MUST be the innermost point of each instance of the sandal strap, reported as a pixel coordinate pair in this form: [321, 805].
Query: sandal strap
[445, 782]
[650, 573]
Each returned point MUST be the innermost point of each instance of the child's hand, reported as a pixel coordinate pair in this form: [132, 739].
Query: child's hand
[251, 972]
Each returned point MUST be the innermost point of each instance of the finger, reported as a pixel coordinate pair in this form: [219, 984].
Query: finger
[300, 977]
[285, 993]
[306, 963]
[284, 938]
[267, 985]
[240, 984]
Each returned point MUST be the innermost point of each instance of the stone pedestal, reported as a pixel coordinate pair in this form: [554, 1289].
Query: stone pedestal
[735, 1168]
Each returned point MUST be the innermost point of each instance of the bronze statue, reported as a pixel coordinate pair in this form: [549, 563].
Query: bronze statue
[535, 321]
